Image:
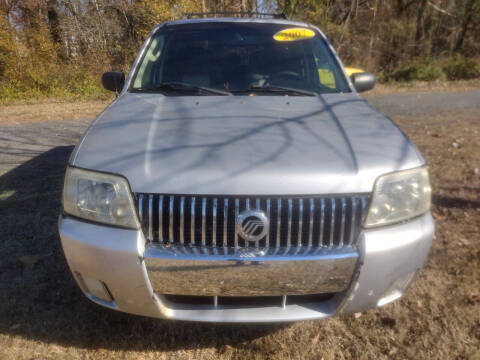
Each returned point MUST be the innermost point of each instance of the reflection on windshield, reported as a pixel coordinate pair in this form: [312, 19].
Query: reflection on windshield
[237, 58]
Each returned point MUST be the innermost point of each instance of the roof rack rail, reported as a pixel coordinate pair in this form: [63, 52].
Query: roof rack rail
[235, 14]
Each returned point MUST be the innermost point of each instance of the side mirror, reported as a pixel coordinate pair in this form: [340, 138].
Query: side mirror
[113, 80]
[363, 81]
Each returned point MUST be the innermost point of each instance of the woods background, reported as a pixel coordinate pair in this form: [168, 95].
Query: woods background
[59, 48]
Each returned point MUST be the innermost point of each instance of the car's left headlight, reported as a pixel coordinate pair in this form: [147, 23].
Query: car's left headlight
[399, 196]
[99, 197]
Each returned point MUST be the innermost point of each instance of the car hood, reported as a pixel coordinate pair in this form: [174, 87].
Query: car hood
[245, 145]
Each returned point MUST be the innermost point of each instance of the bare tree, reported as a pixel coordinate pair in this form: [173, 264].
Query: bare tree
[420, 26]
[471, 8]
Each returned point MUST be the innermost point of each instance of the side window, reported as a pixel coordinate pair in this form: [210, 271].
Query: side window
[148, 68]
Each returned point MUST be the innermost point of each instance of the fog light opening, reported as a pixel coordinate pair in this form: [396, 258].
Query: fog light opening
[397, 289]
[96, 288]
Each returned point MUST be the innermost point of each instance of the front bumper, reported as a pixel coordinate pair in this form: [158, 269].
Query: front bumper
[360, 279]
[248, 272]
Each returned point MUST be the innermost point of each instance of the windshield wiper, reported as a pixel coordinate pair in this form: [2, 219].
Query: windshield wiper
[179, 86]
[281, 89]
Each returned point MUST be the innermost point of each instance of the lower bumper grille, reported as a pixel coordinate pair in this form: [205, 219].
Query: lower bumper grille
[211, 222]
[246, 301]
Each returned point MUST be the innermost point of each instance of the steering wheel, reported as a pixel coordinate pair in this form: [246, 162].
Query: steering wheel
[287, 75]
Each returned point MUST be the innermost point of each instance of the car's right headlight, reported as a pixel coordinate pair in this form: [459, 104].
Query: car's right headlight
[99, 197]
[399, 196]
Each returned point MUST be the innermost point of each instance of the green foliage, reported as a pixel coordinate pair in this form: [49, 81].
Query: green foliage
[91, 37]
[8, 55]
[460, 68]
[70, 83]
[64, 57]
[423, 71]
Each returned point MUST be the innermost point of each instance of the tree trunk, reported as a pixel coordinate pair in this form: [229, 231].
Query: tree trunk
[467, 18]
[54, 27]
[373, 31]
[290, 7]
[420, 24]
[353, 9]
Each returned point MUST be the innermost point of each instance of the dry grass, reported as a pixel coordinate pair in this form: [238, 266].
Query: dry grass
[44, 316]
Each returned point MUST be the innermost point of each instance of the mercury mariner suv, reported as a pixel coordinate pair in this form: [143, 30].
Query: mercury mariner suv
[239, 177]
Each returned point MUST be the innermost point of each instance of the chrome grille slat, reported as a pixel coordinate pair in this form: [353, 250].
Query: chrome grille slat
[289, 222]
[298, 225]
[279, 228]
[150, 217]
[234, 225]
[352, 220]
[204, 220]
[322, 222]
[214, 223]
[332, 223]
[310, 226]
[160, 218]
[247, 207]
[192, 222]
[182, 220]
[364, 208]
[342, 224]
[270, 216]
[170, 219]
[225, 222]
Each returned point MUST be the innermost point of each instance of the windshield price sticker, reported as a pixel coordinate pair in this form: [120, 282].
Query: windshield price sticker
[293, 34]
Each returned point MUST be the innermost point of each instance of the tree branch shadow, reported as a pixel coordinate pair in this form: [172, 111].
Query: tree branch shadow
[42, 301]
[455, 202]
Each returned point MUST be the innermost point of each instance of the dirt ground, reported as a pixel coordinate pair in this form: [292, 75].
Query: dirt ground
[43, 315]
[50, 111]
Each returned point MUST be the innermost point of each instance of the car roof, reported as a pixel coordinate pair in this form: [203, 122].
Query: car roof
[238, 19]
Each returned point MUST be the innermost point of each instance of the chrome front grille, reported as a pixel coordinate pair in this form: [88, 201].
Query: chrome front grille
[210, 222]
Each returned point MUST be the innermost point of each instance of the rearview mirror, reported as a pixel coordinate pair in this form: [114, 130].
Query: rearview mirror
[113, 80]
[363, 81]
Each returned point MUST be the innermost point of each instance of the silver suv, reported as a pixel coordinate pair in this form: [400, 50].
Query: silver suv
[239, 177]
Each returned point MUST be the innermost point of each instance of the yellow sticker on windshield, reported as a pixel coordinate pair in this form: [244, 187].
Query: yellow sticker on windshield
[293, 34]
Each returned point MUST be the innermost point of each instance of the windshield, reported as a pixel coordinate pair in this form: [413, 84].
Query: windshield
[239, 59]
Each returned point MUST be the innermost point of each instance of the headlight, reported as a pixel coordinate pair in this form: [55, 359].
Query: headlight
[99, 197]
[399, 196]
